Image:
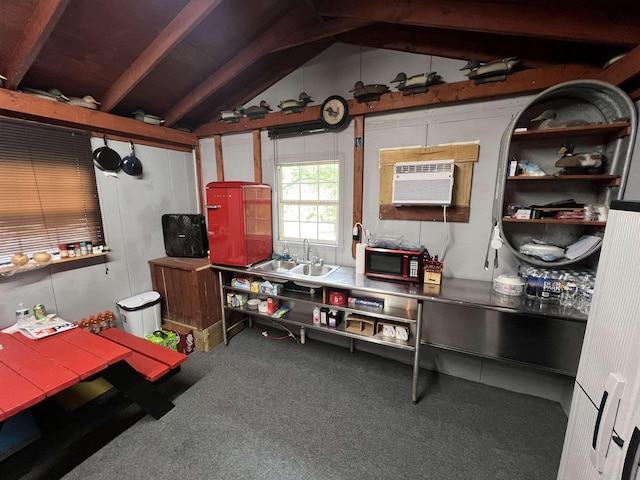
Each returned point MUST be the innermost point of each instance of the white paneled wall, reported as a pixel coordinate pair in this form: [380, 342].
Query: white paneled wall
[131, 210]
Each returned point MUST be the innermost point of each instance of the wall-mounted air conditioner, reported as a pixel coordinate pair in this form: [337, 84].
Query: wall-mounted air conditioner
[423, 183]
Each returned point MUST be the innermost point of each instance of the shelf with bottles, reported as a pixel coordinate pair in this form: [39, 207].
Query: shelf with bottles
[305, 320]
[9, 270]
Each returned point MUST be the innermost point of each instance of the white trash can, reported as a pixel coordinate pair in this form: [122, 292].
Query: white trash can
[141, 313]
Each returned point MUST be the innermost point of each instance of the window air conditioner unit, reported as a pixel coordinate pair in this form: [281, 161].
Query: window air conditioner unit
[423, 183]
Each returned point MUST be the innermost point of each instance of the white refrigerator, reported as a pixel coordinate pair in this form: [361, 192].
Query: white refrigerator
[603, 433]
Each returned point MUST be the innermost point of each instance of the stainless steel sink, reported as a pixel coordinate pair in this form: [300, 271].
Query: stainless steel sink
[315, 270]
[276, 266]
[289, 270]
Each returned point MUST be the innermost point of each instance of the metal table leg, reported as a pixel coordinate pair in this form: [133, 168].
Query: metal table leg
[352, 345]
[303, 335]
[416, 356]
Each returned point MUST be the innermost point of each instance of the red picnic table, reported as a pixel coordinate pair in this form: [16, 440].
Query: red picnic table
[31, 370]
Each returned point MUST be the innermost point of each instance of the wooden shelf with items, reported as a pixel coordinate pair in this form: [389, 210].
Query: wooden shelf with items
[581, 191]
[609, 130]
[11, 269]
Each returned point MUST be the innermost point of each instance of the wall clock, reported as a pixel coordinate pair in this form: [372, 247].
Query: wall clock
[334, 112]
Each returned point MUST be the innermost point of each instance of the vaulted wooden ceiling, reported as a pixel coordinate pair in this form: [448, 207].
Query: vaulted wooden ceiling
[186, 60]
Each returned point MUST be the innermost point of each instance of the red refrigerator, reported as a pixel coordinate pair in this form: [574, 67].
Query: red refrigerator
[239, 222]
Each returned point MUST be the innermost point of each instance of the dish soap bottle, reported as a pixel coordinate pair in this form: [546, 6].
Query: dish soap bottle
[285, 251]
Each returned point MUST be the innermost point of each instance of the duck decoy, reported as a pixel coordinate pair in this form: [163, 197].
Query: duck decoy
[494, 71]
[295, 106]
[258, 111]
[368, 93]
[232, 116]
[591, 163]
[85, 102]
[2, 80]
[417, 83]
[52, 94]
[548, 119]
[147, 117]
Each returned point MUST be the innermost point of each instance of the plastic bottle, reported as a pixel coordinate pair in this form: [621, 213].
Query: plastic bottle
[316, 315]
[22, 314]
[285, 252]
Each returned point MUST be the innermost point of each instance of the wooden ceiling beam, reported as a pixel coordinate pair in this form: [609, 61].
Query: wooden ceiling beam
[261, 46]
[41, 24]
[281, 70]
[319, 32]
[595, 22]
[28, 107]
[626, 68]
[518, 83]
[188, 18]
[482, 46]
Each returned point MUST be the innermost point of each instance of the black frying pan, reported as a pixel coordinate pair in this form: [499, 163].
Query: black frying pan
[131, 164]
[106, 159]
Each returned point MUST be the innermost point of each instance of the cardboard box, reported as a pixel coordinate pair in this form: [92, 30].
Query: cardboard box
[186, 342]
[207, 339]
[360, 324]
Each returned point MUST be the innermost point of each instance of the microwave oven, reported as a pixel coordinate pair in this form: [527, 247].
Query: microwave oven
[389, 264]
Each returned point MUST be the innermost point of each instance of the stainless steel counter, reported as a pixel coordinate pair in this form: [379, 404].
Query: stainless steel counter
[468, 316]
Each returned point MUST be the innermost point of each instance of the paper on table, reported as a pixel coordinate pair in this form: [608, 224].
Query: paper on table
[36, 329]
[584, 244]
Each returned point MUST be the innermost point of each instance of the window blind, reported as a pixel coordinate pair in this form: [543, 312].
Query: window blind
[48, 191]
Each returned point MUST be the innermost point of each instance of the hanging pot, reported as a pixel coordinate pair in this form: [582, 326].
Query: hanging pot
[131, 164]
[106, 158]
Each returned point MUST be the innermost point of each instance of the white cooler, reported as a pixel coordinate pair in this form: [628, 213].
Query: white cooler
[141, 313]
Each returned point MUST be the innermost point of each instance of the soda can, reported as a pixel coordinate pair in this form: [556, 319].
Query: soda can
[39, 312]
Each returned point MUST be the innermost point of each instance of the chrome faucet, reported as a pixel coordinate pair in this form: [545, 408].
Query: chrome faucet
[306, 250]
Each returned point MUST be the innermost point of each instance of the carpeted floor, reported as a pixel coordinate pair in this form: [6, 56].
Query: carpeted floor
[263, 409]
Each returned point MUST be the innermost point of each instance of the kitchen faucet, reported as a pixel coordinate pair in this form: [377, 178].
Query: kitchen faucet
[306, 250]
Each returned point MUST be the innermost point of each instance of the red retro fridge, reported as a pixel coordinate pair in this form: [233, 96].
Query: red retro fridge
[239, 223]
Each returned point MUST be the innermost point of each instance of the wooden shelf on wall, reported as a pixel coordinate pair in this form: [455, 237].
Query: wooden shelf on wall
[519, 83]
[27, 107]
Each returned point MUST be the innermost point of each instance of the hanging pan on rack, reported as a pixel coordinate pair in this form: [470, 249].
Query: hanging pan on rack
[106, 158]
[131, 164]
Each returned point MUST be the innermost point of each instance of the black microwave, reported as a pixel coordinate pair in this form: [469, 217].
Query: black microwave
[389, 264]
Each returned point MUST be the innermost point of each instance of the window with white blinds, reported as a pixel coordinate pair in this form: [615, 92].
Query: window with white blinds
[48, 191]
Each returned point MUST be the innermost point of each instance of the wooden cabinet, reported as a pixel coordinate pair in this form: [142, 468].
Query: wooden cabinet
[610, 130]
[190, 290]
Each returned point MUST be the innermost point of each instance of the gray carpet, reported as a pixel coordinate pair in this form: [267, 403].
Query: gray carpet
[264, 409]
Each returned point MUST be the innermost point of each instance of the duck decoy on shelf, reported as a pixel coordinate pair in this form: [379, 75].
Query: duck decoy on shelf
[147, 117]
[548, 119]
[368, 93]
[295, 106]
[85, 102]
[52, 94]
[591, 163]
[494, 71]
[255, 112]
[232, 116]
[2, 80]
[417, 83]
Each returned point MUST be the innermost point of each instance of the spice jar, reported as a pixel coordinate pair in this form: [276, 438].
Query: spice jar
[64, 253]
[71, 250]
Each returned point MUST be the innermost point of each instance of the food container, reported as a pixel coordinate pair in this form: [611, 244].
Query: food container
[253, 303]
[509, 284]
[337, 297]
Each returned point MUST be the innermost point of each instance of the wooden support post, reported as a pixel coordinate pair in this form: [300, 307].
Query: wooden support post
[257, 156]
[217, 142]
[200, 179]
[358, 170]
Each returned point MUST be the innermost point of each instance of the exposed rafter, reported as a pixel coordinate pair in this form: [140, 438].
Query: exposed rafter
[279, 71]
[587, 22]
[262, 45]
[626, 68]
[318, 32]
[188, 18]
[40, 26]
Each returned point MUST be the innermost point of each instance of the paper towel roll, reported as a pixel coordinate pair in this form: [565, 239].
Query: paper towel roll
[360, 257]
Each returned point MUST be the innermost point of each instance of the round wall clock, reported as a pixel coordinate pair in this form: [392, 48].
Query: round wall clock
[334, 112]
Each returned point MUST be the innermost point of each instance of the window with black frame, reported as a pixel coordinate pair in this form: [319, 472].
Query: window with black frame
[48, 191]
